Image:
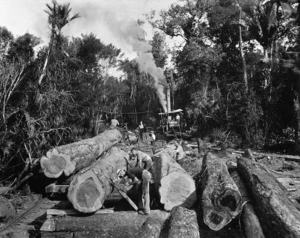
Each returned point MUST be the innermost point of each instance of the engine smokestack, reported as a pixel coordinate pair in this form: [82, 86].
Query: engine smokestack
[168, 99]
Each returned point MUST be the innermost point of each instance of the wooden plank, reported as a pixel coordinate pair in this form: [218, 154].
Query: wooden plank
[72, 212]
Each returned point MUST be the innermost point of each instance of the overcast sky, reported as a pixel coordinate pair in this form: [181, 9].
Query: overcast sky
[108, 19]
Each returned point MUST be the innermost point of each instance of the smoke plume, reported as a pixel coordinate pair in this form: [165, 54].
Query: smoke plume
[124, 33]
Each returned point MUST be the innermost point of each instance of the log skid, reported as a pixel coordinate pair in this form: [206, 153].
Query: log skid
[174, 185]
[73, 157]
[182, 222]
[90, 187]
[220, 198]
[250, 221]
[278, 215]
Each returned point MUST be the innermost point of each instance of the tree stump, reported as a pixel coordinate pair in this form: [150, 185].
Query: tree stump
[276, 212]
[90, 187]
[73, 157]
[174, 185]
[220, 198]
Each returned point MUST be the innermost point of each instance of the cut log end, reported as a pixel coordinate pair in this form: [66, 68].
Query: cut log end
[87, 195]
[230, 200]
[177, 189]
[228, 206]
[216, 219]
[54, 164]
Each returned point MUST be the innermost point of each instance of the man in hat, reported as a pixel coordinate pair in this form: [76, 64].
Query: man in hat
[143, 160]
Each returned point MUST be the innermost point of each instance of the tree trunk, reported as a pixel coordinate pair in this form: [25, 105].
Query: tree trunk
[250, 222]
[73, 157]
[220, 198]
[278, 215]
[118, 224]
[174, 185]
[90, 187]
[241, 49]
[182, 222]
[151, 228]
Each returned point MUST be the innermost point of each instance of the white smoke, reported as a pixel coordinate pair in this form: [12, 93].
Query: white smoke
[124, 33]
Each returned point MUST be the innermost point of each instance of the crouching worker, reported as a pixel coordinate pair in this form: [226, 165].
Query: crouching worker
[143, 160]
[141, 177]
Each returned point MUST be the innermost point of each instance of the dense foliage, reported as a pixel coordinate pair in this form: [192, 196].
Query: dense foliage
[235, 75]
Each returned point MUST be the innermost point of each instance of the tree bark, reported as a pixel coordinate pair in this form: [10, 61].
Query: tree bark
[220, 198]
[151, 228]
[250, 222]
[182, 222]
[73, 157]
[278, 215]
[118, 224]
[90, 187]
[245, 76]
[174, 185]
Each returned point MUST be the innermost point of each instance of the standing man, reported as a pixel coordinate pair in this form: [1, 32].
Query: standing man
[141, 130]
[144, 160]
[142, 178]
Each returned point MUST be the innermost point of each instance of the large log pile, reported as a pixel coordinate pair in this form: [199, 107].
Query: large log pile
[73, 157]
[248, 190]
[90, 187]
[277, 213]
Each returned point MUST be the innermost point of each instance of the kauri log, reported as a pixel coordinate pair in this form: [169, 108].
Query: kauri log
[73, 157]
[90, 187]
[174, 185]
[276, 212]
[220, 198]
[250, 221]
[125, 224]
[182, 222]
[152, 228]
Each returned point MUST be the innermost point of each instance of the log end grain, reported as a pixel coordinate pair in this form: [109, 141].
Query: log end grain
[55, 163]
[86, 193]
[176, 189]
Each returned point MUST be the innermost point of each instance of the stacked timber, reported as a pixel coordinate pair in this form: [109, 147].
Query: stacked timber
[73, 157]
[173, 184]
[90, 187]
[277, 213]
[220, 198]
[250, 221]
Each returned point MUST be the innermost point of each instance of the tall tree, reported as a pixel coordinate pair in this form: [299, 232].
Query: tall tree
[58, 17]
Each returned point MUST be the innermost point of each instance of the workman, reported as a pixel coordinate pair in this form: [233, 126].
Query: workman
[142, 178]
[114, 123]
[143, 160]
[153, 138]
